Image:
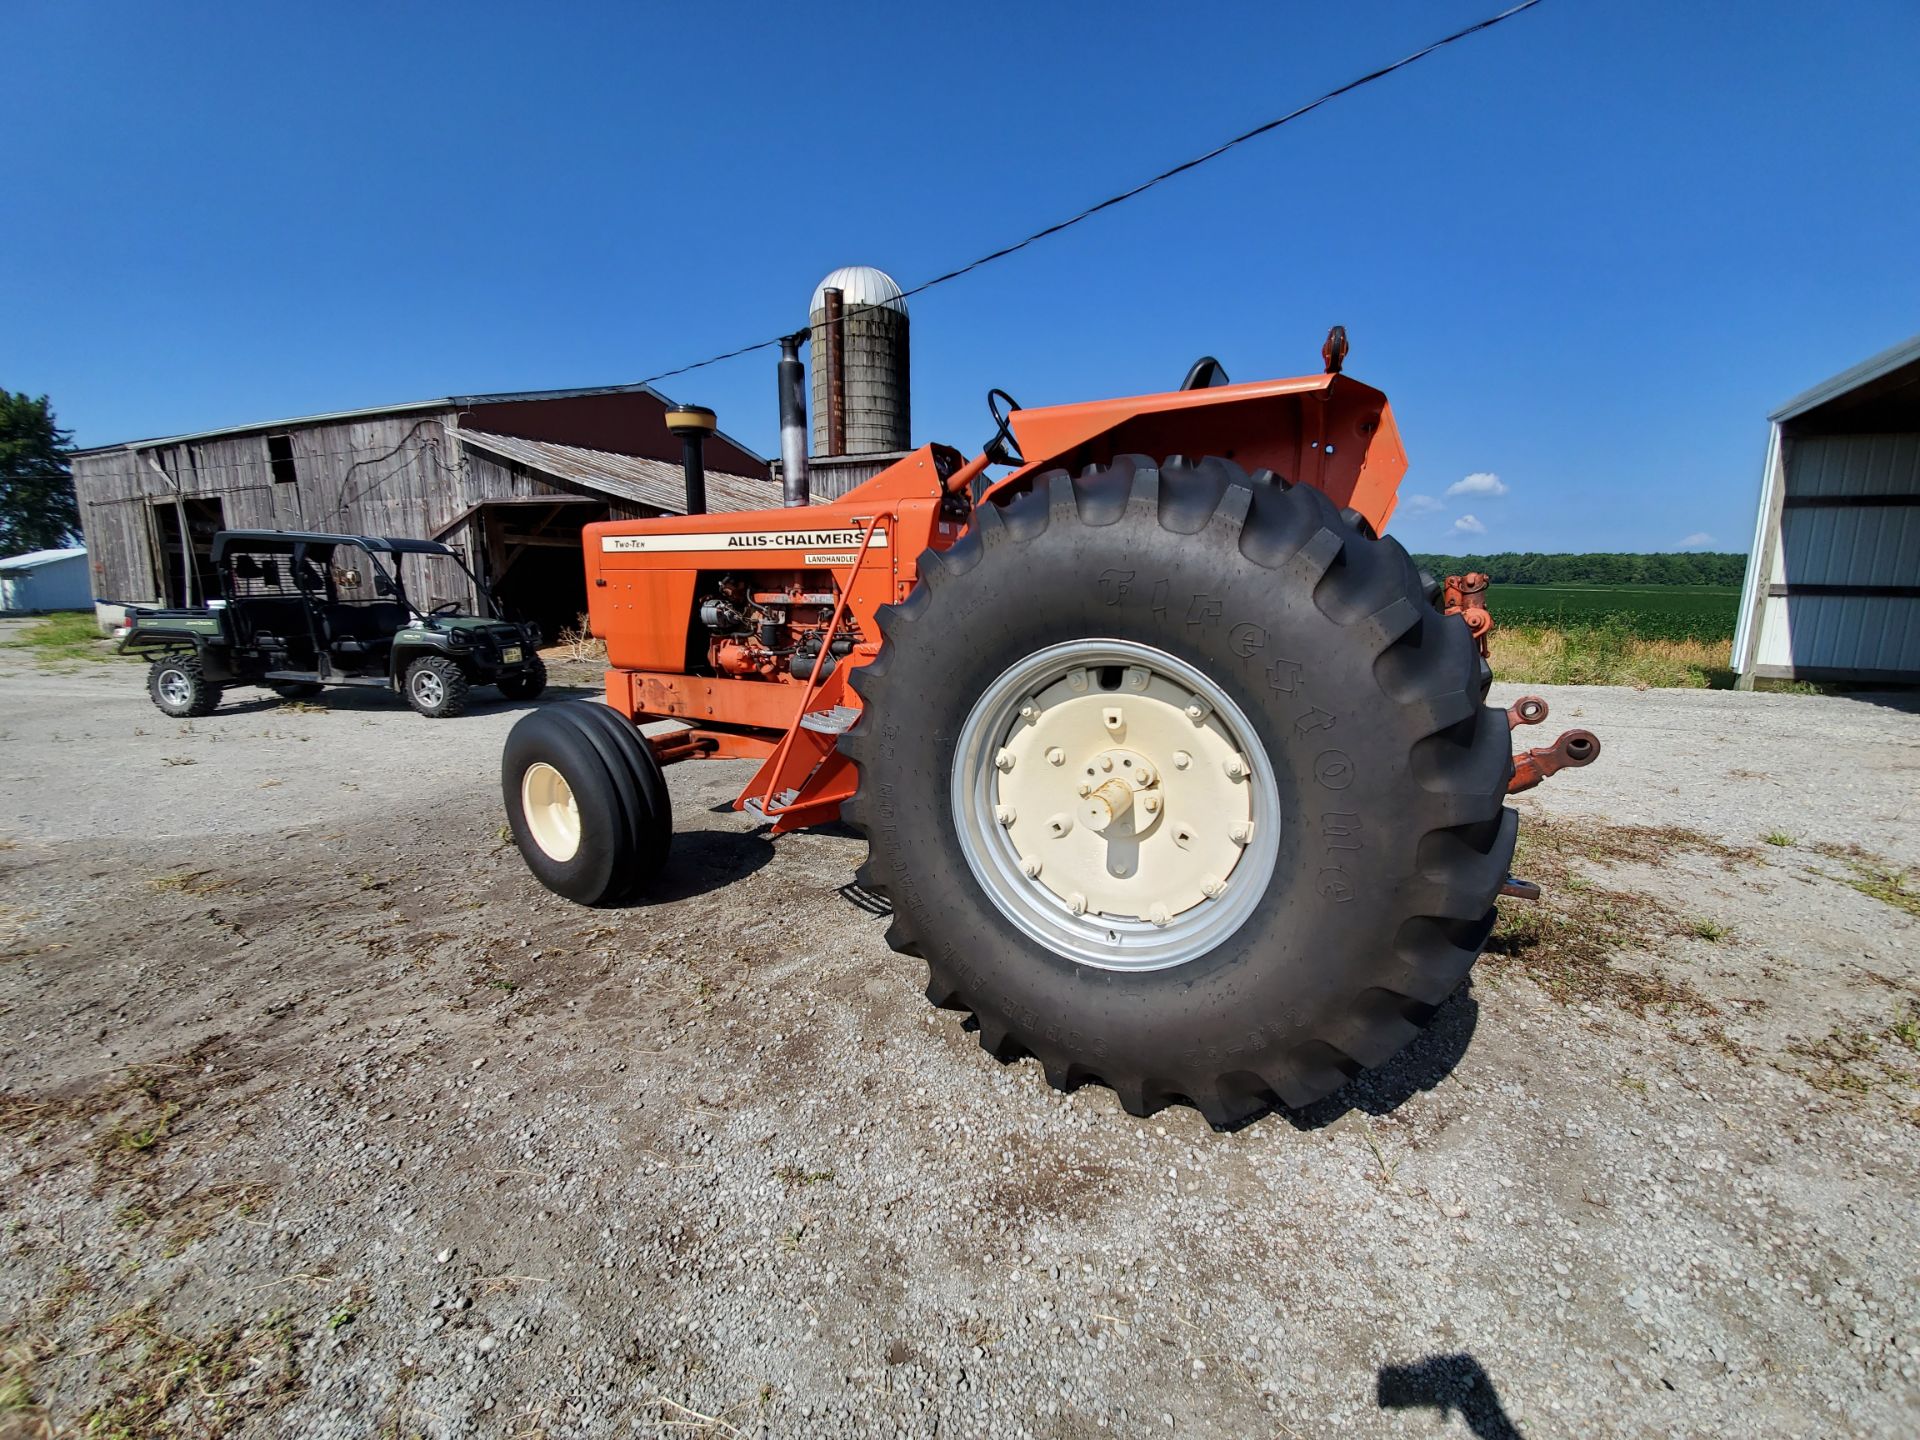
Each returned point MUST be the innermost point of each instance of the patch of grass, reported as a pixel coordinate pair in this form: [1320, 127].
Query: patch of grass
[65, 638]
[1864, 1061]
[801, 1179]
[170, 1386]
[1569, 941]
[1609, 652]
[1779, 837]
[1712, 931]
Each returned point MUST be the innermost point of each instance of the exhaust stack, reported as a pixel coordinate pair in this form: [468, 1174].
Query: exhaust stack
[693, 424]
[794, 485]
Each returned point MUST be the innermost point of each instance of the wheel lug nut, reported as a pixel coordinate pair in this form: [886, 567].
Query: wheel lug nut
[1003, 761]
[1236, 768]
[1056, 756]
[1212, 888]
[1151, 805]
[1085, 789]
[1029, 711]
[1181, 759]
[1077, 903]
[1030, 867]
[1240, 833]
[1004, 814]
[1106, 762]
[1159, 914]
[1195, 713]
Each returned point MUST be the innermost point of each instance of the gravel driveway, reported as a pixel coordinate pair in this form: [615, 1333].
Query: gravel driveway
[321, 1118]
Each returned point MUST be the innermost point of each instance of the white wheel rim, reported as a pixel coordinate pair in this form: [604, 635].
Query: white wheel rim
[1175, 841]
[174, 687]
[427, 688]
[553, 816]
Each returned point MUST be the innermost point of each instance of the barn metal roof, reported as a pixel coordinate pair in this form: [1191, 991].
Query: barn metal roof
[411, 407]
[34, 559]
[657, 483]
[1867, 371]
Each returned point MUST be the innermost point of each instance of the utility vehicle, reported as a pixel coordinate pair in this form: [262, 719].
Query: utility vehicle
[297, 612]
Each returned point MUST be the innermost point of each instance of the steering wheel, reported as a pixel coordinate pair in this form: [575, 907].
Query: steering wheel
[446, 607]
[1001, 449]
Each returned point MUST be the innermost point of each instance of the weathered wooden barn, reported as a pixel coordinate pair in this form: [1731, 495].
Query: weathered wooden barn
[507, 481]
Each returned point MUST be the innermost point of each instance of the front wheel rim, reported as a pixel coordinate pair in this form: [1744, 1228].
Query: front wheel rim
[427, 688]
[175, 687]
[1069, 844]
[552, 813]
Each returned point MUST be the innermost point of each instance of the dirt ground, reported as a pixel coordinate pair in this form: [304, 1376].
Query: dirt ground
[318, 1117]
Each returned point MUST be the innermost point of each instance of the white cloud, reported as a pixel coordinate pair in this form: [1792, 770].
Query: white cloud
[1468, 525]
[1421, 504]
[1481, 482]
[1696, 540]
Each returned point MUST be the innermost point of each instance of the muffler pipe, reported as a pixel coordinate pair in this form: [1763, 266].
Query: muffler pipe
[693, 424]
[795, 487]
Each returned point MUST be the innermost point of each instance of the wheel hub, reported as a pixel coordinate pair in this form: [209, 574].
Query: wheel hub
[1112, 807]
[427, 688]
[553, 815]
[174, 687]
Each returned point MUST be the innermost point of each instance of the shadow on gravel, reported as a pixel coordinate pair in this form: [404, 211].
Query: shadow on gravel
[364, 700]
[705, 860]
[1421, 1066]
[1448, 1383]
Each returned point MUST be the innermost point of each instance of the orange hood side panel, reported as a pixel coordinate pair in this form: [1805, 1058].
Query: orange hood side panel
[1328, 431]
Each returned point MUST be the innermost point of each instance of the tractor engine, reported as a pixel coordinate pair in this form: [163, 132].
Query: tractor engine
[769, 624]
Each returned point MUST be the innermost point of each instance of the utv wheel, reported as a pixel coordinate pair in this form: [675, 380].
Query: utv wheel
[437, 687]
[528, 683]
[177, 686]
[1178, 782]
[296, 689]
[586, 802]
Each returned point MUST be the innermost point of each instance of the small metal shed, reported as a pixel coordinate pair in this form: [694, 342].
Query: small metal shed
[1833, 580]
[44, 580]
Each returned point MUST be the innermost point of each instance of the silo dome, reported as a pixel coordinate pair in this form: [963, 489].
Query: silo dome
[860, 285]
[862, 362]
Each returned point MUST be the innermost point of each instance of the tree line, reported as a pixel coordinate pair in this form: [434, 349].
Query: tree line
[1690, 567]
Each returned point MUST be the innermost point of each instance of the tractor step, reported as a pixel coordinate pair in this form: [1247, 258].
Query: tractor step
[836, 721]
[756, 806]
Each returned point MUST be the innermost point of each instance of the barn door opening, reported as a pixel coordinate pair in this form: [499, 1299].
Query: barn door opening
[186, 569]
[534, 561]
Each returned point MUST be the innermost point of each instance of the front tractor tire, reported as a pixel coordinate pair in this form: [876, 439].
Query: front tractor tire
[437, 687]
[528, 684]
[1178, 781]
[180, 688]
[586, 802]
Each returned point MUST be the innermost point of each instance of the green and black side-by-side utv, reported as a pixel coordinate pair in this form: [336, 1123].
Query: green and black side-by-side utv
[296, 612]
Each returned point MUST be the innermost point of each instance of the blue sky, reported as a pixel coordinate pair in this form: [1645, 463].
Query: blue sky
[1584, 253]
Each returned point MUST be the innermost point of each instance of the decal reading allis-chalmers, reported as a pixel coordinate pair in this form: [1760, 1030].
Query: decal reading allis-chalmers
[738, 540]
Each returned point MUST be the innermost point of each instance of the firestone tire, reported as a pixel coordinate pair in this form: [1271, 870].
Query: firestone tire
[178, 687]
[437, 687]
[1365, 706]
[528, 684]
[586, 802]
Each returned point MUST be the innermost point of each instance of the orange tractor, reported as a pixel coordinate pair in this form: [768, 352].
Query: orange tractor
[1171, 769]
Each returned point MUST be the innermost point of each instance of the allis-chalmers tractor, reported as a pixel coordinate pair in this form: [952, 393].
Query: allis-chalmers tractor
[1176, 773]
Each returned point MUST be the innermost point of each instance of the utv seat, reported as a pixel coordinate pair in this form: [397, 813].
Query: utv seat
[365, 629]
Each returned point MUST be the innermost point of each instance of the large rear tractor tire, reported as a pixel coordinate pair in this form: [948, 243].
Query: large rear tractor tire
[180, 689]
[586, 802]
[1178, 781]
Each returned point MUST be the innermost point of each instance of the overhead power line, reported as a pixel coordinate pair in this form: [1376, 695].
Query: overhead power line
[1145, 185]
